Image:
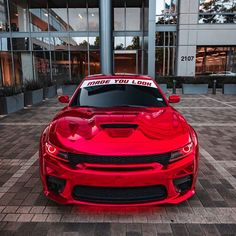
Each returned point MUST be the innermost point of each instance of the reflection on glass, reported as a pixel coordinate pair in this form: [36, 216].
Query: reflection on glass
[166, 11]
[60, 65]
[217, 11]
[3, 16]
[20, 44]
[165, 61]
[58, 19]
[132, 43]
[94, 43]
[38, 17]
[166, 19]
[79, 64]
[217, 19]
[40, 43]
[119, 43]
[23, 66]
[59, 43]
[93, 19]
[216, 61]
[166, 6]
[6, 68]
[166, 38]
[18, 15]
[41, 61]
[119, 18]
[128, 58]
[78, 43]
[78, 19]
[94, 62]
[133, 18]
[216, 6]
[5, 44]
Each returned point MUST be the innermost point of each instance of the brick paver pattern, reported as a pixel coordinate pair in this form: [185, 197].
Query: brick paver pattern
[24, 210]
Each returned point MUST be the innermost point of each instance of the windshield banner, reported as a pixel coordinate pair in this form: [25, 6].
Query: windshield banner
[146, 83]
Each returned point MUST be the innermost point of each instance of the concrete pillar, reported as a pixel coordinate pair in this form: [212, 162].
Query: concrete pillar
[151, 37]
[187, 37]
[106, 45]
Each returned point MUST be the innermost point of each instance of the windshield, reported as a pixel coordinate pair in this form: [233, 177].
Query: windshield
[118, 95]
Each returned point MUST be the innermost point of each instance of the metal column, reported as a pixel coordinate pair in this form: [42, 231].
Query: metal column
[106, 57]
[151, 37]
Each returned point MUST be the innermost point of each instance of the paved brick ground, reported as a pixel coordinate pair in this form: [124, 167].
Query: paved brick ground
[212, 211]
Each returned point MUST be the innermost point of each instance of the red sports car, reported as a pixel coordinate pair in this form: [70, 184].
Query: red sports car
[119, 142]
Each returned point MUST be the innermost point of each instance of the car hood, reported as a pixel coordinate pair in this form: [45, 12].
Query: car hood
[131, 131]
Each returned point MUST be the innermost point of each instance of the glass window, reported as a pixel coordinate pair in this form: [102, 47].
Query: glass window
[94, 43]
[133, 19]
[20, 44]
[165, 61]
[40, 43]
[125, 61]
[165, 39]
[94, 62]
[5, 44]
[58, 19]
[59, 43]
[78, 19]
[119, 95]
[60, 65]
[165, 53]
[3, 16]
[166, 11]
[119, 43]
[79, 43]
[6, 68]
[79, 64]
[41, 62]
[23, 66]
[39, 16]
[93, 19]
[133, 43]
[18, 15]
[217, 11]
[119, 19]
[216, 61]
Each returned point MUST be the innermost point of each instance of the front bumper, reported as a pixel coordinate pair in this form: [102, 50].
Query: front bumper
[149, 175]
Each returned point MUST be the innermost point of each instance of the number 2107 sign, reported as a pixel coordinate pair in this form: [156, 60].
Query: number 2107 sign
[187, 58]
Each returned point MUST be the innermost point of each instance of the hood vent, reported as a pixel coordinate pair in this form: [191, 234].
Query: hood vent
[119, 126]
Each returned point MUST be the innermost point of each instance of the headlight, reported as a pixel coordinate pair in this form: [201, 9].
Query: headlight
[53, 151]
[182, 152]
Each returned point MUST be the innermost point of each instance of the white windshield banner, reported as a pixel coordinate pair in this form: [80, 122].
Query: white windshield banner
[140, 82]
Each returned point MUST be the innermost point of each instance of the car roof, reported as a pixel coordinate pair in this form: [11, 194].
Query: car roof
[118, 76]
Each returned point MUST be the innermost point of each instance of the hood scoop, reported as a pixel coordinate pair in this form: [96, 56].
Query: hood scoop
[119, 126]
[119, 130]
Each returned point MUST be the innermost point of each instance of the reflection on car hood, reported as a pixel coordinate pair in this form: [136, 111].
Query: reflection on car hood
[123, 131]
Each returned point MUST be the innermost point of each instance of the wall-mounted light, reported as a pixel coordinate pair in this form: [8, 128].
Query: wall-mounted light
[80, 16]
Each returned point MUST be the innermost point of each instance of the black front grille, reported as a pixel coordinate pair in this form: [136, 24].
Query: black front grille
[119, 195]
[76, 159]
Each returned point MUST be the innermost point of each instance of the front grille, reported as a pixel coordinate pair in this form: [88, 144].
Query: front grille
[119, 195]
[76, 159]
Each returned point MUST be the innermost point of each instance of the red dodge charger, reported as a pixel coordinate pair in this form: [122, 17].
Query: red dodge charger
[118, 142]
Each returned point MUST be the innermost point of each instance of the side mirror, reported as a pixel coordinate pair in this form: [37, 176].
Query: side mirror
[63, 99]
[174, 99]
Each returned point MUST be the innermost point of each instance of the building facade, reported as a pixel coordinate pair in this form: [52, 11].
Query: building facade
[68, 39]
